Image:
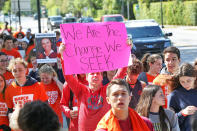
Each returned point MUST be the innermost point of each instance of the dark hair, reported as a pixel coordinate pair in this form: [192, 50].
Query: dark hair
[185, 69]
[38, 116]
[172, 49]
[2, 53]
[14, 40]
[135, 68]
[145, 103]
[120, 82]
[57, 33]
[149, 58]
[3, 92]
[8, 37]
[195, 62]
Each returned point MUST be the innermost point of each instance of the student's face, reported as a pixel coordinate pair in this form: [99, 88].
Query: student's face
[3, 62]
[15, 44]
[118, 97]
[187, 82]
[159, 98]
[95, 79]
[172, 62]
[46, 44]
[46, 78]
[8, 44]
[2, 84]
[133, 77]
[24, 45]
[19, 71]
[156, 66]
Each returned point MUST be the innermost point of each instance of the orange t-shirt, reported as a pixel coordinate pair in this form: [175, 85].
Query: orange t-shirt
[16, 94]
[54, 97]
[150, 78]
[8, 77]
[3, 111]
[11, 53]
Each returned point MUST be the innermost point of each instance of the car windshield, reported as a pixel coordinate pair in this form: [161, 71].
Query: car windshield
[56, 18]
[141, 32]
[86, 20]
[114, 18]
[69, 20]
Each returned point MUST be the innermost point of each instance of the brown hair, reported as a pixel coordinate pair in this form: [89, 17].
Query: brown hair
[172, 49]
[145, 103]
[120, 82]
[185, 69]
[47, 69]
[3, 92]
[149, 58]
[135, 68]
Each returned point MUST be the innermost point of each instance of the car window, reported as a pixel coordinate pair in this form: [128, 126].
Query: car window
[141, 32]
[56, 18]
[69, 20]
[114, 18]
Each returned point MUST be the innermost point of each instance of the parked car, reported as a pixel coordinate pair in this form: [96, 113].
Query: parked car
[53, 22]
[85, 20]
[69, 19]
[114, 17]
[147, 37]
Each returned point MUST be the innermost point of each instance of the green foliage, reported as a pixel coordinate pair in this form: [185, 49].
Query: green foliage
[174, 13]
[7, 7]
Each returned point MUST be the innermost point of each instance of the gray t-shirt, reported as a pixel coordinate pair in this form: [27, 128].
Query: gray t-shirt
[154, 118]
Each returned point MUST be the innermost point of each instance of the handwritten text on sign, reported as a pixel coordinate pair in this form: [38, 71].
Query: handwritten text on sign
[94, 47]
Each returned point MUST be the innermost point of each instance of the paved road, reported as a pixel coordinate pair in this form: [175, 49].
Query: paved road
[184, 37]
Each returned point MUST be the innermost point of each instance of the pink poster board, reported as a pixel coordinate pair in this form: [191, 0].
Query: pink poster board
[94, 47]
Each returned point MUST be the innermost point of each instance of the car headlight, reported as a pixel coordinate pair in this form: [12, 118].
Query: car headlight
[134, 47]
[52, 23]
[167, 44]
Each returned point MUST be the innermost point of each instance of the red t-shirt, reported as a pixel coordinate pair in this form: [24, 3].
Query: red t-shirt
[11, 53]
[16, 94]
[54, 96]
[93, 105]
[3, 111]
[150, 78]
[8, 77]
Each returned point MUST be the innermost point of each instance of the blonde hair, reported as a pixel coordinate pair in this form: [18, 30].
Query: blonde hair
[15, 61]
[47, 69]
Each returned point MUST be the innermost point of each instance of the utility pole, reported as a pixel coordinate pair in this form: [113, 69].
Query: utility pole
[122, 7]
[162, 26]
[19, 12]
[39, 16]
[128, 14]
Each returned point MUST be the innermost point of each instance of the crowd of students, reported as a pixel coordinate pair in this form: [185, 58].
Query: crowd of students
[143, 96]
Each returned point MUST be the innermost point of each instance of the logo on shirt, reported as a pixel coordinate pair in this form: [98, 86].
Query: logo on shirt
[95, 102]
[22, 99]
[53, 95]
[3, 109]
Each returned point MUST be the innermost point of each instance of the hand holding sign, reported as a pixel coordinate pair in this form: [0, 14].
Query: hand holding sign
[94, 47]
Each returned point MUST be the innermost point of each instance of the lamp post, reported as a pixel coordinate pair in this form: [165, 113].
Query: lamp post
[161, 14]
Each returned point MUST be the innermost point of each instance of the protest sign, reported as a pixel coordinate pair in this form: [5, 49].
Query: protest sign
[46, 50]
[94, 47]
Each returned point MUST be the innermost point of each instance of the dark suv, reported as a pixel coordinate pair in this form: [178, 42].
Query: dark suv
[147, 37]
[54, 22]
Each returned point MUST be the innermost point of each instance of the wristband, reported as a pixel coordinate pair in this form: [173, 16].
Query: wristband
[183, 114]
